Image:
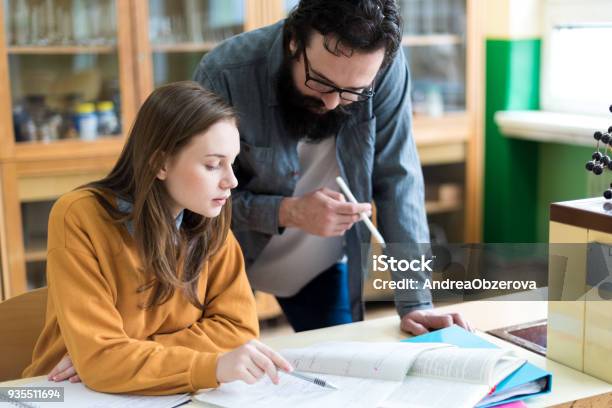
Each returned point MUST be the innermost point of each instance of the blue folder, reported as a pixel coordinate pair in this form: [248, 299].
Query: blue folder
[459, 337]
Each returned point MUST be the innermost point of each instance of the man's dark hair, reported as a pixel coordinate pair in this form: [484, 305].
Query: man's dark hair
[347, 26]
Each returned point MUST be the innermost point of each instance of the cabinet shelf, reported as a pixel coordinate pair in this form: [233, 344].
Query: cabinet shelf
[431, 40]
[69, 149]
[61, 49]
[184, 47]
[439, 207]
[36, 253]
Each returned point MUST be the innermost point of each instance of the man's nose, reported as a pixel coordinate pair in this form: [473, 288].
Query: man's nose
[331, 100]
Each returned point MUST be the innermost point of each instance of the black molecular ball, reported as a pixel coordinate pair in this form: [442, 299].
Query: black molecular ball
[596, 156]
[605, 138]
[598, 169]
[608, 194]
[597, 135]
[590, 165]
[605, 159]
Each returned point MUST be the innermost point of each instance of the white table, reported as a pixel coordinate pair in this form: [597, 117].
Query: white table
[568, 384]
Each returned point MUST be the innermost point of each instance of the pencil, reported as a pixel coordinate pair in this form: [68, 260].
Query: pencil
[347, 192]
[315, 380]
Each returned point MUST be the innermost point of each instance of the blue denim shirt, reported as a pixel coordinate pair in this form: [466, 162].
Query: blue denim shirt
[375, 150]
[127, 207]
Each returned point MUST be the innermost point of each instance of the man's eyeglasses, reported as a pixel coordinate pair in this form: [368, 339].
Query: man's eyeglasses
[325, 87]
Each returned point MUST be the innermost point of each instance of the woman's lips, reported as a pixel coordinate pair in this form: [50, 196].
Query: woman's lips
[219, 201]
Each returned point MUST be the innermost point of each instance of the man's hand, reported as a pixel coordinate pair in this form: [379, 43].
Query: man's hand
[422, 321]
[323, 212]
[64, 370]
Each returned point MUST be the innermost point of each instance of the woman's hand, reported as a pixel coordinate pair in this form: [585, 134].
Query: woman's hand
[250, 362]
[64, 370]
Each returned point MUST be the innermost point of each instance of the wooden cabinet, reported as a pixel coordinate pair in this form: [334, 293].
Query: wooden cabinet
[63, 64]
[58, 55]
[443, 47]
[67, 100]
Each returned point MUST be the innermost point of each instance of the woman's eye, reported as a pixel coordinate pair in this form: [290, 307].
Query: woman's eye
[212, 167]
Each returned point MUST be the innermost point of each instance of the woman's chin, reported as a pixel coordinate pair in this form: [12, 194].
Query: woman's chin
[211, 212]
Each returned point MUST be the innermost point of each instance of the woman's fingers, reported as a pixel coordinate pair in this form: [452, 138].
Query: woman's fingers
[64, 375]
[75, 379]
[266, 364]
[276, 358]
[64, 364]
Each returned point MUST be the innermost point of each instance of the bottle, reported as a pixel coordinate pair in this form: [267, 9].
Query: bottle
[107, 119]
[86, 121]
[434, 102]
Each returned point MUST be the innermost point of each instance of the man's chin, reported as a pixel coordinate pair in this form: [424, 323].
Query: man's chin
[318, 111]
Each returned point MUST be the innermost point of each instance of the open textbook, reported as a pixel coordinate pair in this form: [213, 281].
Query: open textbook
[376, 375]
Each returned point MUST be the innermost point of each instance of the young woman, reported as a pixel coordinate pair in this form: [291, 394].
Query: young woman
[147, 288]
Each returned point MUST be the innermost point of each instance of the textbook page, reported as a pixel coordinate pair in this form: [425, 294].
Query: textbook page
[77, 395]
[453, 377]
[353, 367]
[296, 393]
[420, 392]
[480, 366]
[383, 361]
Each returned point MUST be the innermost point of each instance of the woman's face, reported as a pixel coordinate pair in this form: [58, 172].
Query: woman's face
[199, 177]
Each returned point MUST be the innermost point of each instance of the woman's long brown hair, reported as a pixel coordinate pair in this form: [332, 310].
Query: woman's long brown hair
[172, 258]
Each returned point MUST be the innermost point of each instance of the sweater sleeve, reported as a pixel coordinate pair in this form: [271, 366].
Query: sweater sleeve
[105, 357]
[229, 319]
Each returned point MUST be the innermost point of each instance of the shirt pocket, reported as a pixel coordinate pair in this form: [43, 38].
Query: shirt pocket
[255, 164]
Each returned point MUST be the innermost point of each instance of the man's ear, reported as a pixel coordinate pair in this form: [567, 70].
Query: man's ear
[292, 46]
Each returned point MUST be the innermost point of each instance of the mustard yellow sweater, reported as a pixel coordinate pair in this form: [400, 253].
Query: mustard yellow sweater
[94, 313]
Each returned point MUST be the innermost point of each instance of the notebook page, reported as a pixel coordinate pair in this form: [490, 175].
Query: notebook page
[419, 392]
[383, 361]
[458, 364]
[77, 395]
[296, 393]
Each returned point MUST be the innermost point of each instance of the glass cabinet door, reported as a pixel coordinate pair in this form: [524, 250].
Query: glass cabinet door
[64, 69]
[180, 32]
[434, 41]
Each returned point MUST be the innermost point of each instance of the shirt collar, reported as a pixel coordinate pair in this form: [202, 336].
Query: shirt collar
[127, 207]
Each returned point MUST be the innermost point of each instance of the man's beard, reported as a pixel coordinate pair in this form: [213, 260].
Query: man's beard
[299, 111]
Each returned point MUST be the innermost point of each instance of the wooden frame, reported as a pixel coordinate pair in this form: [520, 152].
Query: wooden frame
[143, 66]
[475, 106]
[4, 268]
[6, 117]
[14, 276]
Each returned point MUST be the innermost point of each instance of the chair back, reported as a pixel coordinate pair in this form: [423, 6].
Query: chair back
[21, 321]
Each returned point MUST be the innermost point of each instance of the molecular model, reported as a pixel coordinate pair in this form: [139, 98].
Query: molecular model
[602, 161]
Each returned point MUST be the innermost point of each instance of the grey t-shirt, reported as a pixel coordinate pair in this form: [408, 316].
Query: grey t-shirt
[292, 259]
